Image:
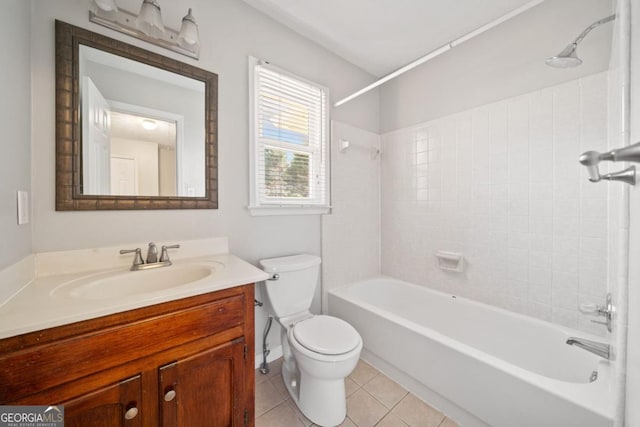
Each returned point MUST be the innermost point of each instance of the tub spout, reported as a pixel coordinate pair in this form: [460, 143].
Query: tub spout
[601, 349]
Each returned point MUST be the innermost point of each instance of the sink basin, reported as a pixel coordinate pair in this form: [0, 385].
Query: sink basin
[118, 284]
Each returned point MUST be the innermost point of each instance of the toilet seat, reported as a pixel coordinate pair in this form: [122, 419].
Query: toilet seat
[326, 335]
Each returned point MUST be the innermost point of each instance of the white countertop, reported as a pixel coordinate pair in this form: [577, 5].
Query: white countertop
[40, 304]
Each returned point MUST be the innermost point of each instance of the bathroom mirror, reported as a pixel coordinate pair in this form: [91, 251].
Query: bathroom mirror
[134, 129]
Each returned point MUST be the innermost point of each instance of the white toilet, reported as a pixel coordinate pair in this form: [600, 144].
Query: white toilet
[319, 351]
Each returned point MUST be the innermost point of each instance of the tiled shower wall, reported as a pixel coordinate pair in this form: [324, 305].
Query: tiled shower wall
[351, 234]
[501, 183]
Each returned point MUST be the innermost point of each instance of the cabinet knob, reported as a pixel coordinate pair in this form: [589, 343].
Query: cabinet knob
[131, 413]
[169, 396]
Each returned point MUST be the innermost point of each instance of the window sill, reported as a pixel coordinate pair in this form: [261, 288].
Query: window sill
[288, 210]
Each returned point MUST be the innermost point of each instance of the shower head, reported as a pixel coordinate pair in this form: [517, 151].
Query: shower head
[568, 57]
[565, 59]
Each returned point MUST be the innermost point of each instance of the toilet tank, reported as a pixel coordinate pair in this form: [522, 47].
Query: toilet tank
[295, 287]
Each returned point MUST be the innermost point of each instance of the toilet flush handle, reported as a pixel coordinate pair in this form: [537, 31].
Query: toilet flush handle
[275, 276]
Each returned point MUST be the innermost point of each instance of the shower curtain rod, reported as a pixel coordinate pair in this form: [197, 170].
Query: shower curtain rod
[439, 51]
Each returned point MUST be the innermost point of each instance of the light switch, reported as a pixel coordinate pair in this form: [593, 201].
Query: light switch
[23, 207]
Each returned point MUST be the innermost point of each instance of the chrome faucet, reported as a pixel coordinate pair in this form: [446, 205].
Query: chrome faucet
[152, 253]
[164, 256]
[137, 259]
[152, 257]
[631, 153]
[601, 349]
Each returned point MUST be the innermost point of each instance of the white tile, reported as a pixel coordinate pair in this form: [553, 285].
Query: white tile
[502, 184]
[565, 317]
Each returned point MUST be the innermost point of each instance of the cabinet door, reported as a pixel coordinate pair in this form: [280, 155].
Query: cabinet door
[111, 406]
[204, 390]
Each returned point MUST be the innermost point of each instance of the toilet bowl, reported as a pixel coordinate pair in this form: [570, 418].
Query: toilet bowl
[319, 351]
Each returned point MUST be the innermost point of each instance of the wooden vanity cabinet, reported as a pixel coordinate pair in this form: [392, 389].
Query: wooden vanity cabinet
[187, 362]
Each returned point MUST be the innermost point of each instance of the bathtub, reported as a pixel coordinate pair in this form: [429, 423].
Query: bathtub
[481, 365]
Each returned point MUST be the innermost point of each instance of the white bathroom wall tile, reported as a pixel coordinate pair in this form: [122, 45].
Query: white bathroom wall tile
[541, 119]
[586, 324]
[565, 263]
[541, 190]
[504, 187]
[541, 225]
[519, 241]
[540, 259]
[519, 204]
[540, 208]
[593, 285]
[593, 274]
[540, 276]
[594, 208]
[539, 310]
[596, 228]
[567, 207]
[566, 226]
[541, 170]
[518, 272]
[593, 247]
[593, 109]
[539, 293]
[564, 290]
[518, 256]
[564, 317]
[594, 191]
[566, 246]
[541, 242]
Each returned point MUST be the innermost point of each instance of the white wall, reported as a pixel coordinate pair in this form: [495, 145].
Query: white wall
[230, 30]
[633, 354]
[506, 61]
[15, 123]
[501, 184]
[158, 95]
[351, 234]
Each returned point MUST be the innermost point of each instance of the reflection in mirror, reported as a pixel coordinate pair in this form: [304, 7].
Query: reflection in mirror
[143, 128]
[134, 129]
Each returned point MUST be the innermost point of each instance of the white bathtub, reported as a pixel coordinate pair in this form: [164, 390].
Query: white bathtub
[481, 365]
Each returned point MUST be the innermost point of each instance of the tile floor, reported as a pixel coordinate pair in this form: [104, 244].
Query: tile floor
[372, 400]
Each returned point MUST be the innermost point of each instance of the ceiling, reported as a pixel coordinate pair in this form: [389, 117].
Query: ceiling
[380, 36]
[129, 126]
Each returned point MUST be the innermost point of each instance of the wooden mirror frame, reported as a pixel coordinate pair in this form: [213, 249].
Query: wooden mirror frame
[69, 127]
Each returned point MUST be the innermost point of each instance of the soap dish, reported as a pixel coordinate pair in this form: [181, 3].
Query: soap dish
[450, 261]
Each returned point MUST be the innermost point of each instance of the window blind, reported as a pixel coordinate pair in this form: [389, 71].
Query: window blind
[290, 126]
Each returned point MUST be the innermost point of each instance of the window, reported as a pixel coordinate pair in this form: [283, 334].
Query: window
[289, 143]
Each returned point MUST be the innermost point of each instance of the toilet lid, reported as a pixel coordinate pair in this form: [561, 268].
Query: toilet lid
[326, 335]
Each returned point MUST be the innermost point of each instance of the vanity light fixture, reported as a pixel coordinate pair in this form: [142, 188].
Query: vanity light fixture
[189, 37]
[148, 25]
[149, 20]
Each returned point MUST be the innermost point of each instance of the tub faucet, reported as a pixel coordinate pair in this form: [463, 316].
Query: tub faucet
[601, 349]
[630, 153]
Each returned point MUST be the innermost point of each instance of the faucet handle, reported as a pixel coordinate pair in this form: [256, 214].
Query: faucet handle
[164, 256]
[607, 310]
[137, 259]
[591, 308]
